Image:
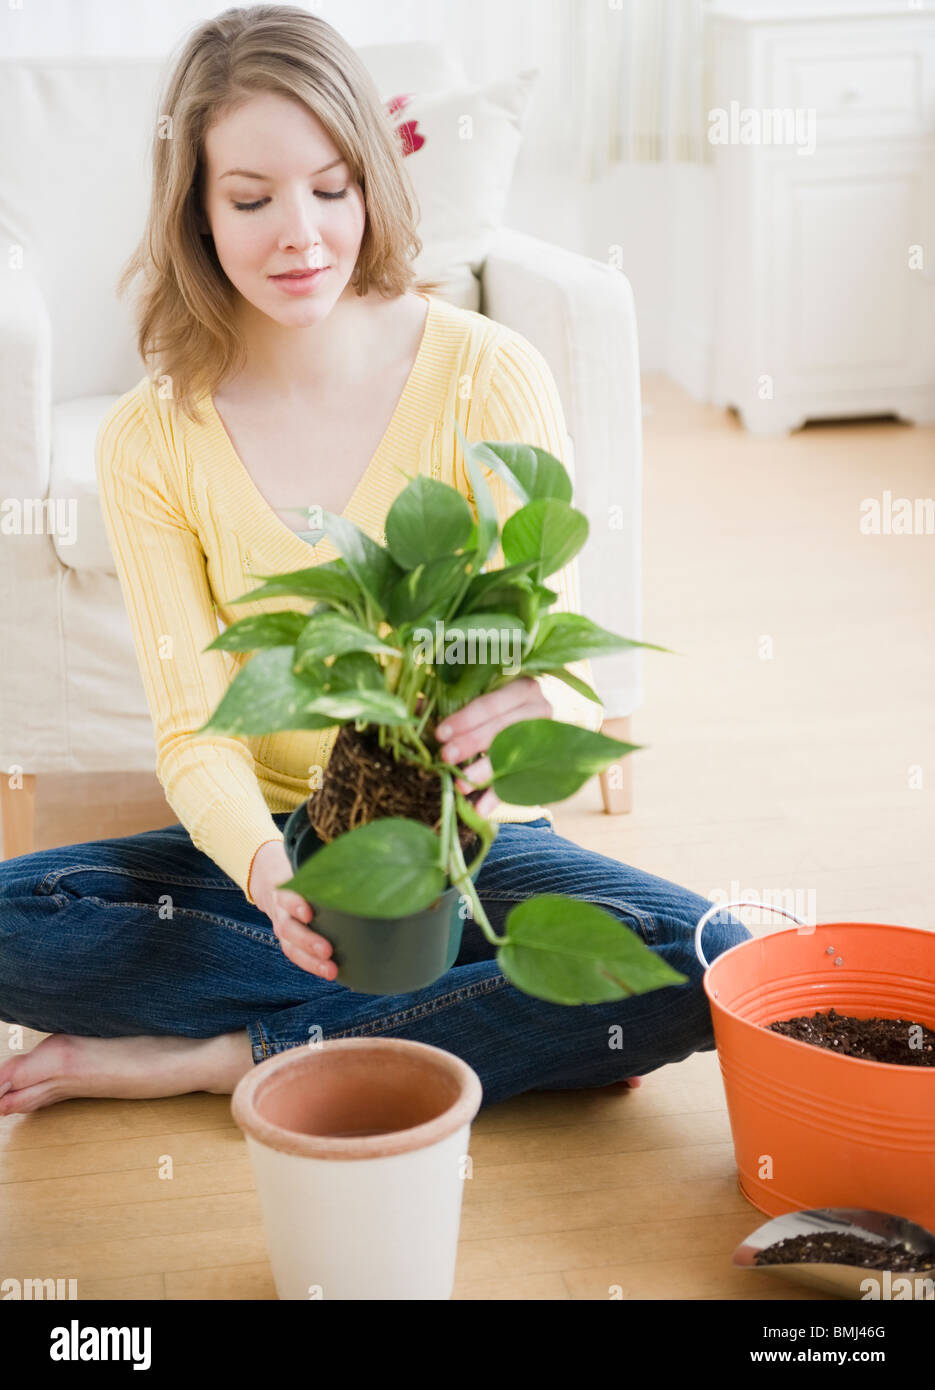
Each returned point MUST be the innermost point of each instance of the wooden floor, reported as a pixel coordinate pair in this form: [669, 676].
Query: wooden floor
[788, 773]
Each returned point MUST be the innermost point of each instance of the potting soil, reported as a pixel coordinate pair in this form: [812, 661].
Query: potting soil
[895, 1040]
[839, 1248]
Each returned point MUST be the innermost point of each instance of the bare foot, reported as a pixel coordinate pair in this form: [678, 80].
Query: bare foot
[63, 1066]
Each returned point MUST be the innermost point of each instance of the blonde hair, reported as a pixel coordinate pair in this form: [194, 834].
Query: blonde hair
[184, 317]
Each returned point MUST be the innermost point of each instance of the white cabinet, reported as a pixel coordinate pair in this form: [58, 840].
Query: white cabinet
[824, 215]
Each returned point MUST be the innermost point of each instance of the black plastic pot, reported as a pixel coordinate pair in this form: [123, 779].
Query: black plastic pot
[381, 955]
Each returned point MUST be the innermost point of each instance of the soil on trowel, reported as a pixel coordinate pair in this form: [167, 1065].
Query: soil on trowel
[363, 782]
[838, 1248]
[895, 1040]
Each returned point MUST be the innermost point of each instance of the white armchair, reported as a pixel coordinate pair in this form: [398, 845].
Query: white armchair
[71, 698]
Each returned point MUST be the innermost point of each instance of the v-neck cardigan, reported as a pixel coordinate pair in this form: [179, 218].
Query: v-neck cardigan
[189, 530]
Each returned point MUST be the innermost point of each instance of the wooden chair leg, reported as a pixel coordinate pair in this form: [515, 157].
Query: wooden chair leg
[617, 780]
[18, 814]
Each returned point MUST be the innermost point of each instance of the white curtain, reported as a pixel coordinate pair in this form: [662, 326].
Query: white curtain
[640, 81]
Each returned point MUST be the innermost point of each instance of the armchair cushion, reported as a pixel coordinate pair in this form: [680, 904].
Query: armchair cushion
[581, 316]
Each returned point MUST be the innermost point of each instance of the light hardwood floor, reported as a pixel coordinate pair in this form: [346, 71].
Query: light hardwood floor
[790, 772]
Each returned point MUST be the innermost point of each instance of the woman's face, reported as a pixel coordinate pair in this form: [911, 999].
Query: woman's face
[300, 213]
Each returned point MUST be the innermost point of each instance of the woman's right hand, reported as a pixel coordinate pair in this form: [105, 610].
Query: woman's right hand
[288, 912]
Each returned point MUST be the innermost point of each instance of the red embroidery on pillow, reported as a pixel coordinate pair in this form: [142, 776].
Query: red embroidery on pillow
[410, 138]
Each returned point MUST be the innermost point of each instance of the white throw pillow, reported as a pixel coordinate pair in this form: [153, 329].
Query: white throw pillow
[460, 148]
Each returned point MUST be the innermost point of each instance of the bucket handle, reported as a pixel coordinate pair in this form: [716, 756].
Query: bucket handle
[739, 902]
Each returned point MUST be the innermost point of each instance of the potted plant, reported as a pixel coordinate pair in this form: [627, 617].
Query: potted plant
[399, 637]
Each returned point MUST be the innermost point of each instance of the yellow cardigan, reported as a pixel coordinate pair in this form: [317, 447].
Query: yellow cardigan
[189, 531]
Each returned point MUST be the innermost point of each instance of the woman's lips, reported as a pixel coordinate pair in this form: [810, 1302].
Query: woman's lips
[298, 283]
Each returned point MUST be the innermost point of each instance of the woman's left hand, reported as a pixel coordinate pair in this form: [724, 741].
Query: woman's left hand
[472, 730]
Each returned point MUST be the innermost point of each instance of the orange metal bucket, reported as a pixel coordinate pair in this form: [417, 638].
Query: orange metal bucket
[812, 1128]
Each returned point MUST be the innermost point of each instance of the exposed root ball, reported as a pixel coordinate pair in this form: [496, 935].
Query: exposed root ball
[363, 782]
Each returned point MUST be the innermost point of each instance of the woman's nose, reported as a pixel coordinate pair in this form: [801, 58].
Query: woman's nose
[300, 229]
[303, 240]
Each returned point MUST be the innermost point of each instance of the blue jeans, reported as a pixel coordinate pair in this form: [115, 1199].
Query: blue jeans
[144, 934]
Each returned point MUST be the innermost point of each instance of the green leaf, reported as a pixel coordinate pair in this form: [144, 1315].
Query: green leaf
[373, 567]
[571, 679]
[267, 697]
[447, 675]
[328, 634]
[564, 637]
[505, 578]
[514, 598]
[571, 952]
[427, 520]
[484, 622]
[531, 472]
[543, 760]
[494, 639]
[325, 581]
[389, 868]
[376, 706]
[488, 523]
[473, 681]
[261, 630]
[353, 671]
[545, 531]
[427, 590]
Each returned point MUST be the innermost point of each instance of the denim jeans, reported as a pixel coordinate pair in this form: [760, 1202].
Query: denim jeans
[144, 934]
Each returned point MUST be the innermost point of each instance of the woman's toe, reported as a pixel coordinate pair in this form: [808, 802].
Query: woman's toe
[29, 1098]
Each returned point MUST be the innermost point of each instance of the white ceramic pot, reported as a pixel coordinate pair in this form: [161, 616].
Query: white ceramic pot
[359, 1148]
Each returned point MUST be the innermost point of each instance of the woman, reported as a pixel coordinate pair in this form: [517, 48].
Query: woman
[171, 961]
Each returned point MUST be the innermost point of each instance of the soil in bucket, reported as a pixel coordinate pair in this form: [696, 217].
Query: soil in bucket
[838, 1248]
[873, 1039]
[366, 783]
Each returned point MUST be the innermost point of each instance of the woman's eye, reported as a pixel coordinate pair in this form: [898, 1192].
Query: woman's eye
[252, 207]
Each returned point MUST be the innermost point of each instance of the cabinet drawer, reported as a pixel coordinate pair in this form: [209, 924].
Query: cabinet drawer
[862, 83]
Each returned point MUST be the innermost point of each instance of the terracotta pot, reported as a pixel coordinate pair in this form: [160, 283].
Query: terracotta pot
[358, 1147]
[813, 1128]
[382, 955]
